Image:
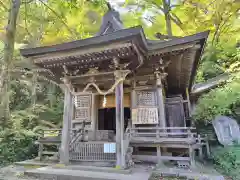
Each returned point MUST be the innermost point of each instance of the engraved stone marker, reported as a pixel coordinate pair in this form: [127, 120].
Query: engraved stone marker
[227, 130]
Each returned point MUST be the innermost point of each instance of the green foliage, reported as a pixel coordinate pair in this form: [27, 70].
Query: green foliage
[31, 117]
[218, 102]
[16, 145]
[225, 99]
[227, 161]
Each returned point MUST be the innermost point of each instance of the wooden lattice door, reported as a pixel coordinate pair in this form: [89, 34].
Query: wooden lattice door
[175, 112]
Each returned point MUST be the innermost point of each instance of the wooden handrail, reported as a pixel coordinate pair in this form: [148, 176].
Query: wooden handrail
[164, 133]
[51, 129]
[160, 132]
[165, 128]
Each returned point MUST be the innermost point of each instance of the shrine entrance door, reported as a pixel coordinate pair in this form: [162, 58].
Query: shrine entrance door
[107, 118]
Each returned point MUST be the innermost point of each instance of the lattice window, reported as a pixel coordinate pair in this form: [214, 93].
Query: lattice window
[146, 98]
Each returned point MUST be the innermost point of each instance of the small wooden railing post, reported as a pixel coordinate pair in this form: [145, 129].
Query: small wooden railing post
[199, 142]
[207, 146]
[191, 150]
[40, 145]
[189, 133]
[157, 133]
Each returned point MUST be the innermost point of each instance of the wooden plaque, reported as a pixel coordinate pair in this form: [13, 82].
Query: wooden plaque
[145, 115]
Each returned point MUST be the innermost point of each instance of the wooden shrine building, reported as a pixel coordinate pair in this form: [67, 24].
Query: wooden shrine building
[126, 94]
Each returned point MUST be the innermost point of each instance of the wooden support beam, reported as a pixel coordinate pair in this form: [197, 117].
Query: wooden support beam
[160, 100]
[67, 117]
[133, 100]
[94, 109]
[119, 126]
[189, 103]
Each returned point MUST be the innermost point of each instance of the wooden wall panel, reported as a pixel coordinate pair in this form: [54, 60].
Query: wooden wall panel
[175, 112]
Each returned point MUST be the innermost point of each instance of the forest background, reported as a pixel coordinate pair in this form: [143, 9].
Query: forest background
[29, 101]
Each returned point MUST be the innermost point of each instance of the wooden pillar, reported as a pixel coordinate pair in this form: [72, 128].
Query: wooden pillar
[94, 115]
[189, 103]
[160, 100]
[133, 100]
[161, 111]
[159, 154]
[67, 117]
[119, 125]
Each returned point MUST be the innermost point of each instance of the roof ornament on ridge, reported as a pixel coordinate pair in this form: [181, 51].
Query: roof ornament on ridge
[111, 21]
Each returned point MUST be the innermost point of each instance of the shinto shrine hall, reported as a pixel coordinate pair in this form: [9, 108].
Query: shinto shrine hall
[127, 98]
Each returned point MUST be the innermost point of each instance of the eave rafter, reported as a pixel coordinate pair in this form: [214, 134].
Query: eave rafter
[173, 50]
[180, 72]
[84, 56]
[187, 65]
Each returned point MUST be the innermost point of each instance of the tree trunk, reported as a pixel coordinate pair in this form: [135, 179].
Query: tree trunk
[7, 59]
[50, 96]
[166, 7]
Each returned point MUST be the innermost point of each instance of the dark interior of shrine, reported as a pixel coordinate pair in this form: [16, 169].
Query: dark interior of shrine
[107, 118]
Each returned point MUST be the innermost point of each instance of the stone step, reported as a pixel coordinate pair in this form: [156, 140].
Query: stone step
[186, 173]
[94, 168]
[32, 163]
[63, 174]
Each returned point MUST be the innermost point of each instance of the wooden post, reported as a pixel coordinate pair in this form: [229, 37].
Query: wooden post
[94, 115]
[120, 151]
[189, 103]
[159, 154]
[67, 117]
[192, 156]
[161, 110]
[160, 100]
[119, 125]
[40, 152]
[200, 149]
[190, 148]
[133, 101]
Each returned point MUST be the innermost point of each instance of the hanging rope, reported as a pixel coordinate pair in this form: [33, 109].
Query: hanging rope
[103, 92]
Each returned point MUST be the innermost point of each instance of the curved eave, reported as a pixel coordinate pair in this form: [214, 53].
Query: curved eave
[133, 35]
[118, 36]
[178, 44]
[178, 41]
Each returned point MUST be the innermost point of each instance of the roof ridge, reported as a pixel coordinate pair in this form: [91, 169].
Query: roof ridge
[111, 22]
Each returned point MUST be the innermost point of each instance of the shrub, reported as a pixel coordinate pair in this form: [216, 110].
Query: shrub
[219, 101]
[16, 146]
[227, 161]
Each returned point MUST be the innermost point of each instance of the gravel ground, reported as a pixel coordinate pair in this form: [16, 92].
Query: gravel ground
[17, 173]
[13, 173]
